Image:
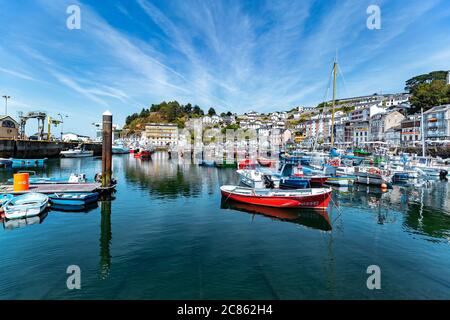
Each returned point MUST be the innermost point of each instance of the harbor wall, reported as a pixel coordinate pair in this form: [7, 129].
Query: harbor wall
[434, 151]
[29, 149]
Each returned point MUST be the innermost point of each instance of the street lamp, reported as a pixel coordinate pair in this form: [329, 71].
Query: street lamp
[6, 104]
[62, 123]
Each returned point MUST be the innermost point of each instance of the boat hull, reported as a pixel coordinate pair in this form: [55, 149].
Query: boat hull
[85, 154]
[370, 179]
[73, 199]
[25, 206]
[318, 201]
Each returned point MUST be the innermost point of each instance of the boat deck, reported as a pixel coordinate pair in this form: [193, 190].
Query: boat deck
[54, 188]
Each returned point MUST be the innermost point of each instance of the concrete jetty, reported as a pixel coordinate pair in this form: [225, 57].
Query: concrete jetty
[29, 149]
[49, 188]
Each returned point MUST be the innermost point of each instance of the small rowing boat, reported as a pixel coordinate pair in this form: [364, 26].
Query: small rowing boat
[26, 163]
[317, 198]
[73, 198]
[26, 205]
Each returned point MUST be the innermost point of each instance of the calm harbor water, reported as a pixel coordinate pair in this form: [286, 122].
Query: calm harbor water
[167, 235]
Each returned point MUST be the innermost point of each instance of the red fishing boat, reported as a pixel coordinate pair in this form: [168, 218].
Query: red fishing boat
[246, 164]
[144, 154]
[267, 162]
[301, 198]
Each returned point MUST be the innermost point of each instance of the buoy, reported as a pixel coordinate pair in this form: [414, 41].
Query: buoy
[21, 182]
[384, 186]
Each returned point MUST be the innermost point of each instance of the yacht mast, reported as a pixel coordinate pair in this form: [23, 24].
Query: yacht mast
[422, 129]
[333, 103]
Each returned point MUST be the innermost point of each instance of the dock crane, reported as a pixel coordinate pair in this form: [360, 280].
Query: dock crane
[39, 115]
[51, 121]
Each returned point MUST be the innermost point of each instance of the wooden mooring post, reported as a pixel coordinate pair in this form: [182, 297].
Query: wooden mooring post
[107, 150]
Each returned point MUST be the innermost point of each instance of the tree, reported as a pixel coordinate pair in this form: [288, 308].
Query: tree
[211, 112]
[428, 95]
[229, 113]
[188, 108]
[197, 110]
[411, 85]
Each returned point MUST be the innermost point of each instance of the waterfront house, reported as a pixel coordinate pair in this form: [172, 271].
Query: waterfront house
[437, 123]
[360, 132]
[161, 134]
[411, 130]
[9, 128]
[392, 136]
[382, 122]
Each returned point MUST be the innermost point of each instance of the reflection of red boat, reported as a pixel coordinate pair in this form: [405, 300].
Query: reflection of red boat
[267, 162]
[302, 198]
[317, 219]
[144, 154]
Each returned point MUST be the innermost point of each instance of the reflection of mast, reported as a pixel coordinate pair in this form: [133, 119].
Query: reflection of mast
[421, 209]
[105, 239]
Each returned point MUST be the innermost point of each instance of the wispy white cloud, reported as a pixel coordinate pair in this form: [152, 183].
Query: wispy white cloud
[17, 74]
[233, 55]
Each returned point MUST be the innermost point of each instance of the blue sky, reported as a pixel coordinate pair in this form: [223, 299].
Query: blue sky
[231, 55]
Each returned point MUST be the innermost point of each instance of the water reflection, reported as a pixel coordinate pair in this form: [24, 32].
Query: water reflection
[316, 219]
[424, 210]
[166, 178]
[22, 223]
[105, 239]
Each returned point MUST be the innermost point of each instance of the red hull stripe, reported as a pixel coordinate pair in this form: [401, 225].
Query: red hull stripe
[319, 201]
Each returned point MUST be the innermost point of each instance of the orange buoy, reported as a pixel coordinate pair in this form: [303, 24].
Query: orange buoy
[21, 182]
[384, 186]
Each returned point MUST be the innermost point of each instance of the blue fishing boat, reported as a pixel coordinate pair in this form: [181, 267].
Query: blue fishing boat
[73, 198]
[294, 183]
[26, 163]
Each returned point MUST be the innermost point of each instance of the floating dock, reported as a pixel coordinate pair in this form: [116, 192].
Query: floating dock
[49, 188]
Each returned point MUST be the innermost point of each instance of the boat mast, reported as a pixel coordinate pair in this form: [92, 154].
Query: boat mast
[333, 103]
[422, 129]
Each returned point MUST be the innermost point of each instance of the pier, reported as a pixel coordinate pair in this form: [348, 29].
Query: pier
[49, 188]
[40, 149]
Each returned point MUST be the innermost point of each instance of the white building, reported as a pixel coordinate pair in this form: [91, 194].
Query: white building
[73, 137]
[437, 123]
[161, 134]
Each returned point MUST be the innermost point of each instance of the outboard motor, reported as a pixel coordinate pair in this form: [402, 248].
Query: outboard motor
[268, 182]
[443, 174]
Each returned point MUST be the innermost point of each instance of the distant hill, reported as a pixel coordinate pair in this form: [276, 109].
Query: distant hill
[165, 112]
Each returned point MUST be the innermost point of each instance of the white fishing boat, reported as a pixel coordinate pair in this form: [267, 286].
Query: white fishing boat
[257, 179]
[119, 148]
[342, 181]
[372, 176]
[26, 205]
[77, 153]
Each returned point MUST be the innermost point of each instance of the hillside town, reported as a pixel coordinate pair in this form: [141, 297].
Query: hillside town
[378, 118]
